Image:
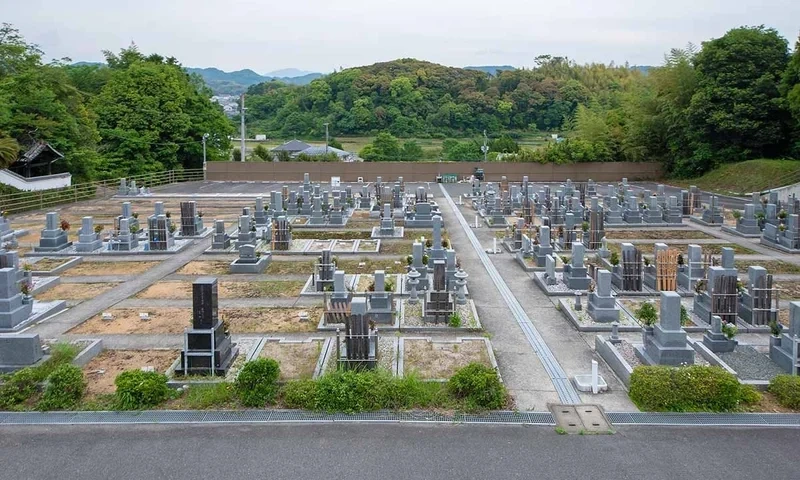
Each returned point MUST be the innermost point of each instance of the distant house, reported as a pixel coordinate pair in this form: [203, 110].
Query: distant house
[293, 147]
[320, 150]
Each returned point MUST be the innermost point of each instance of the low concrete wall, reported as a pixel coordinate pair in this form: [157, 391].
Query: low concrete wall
[612, 357]
[47, 182]
[428, 171]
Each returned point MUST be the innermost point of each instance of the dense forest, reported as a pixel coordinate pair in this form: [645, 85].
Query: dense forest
[737, 97]
[734, 98]
[136, 115]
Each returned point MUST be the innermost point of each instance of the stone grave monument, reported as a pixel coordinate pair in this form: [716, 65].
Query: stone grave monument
[575, 272]
[667, 344]
[360, 348]
[191, 222]
[220, 240]
[715, 340]
[53, 238]
[208, 349]
[785, 350]
[602, 306]
[88, 240]
[250, 261]
[758, 305]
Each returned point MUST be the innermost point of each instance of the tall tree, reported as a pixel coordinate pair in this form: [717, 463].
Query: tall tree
[737, 112]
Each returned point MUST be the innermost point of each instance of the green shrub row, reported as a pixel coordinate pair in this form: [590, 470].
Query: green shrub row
[786, 389]
[688, 389]
[21, 385]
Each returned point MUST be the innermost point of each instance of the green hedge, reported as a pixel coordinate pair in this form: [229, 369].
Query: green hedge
[786, 389]
[257, 383]
[686, 389]
[23, 384]
[137, 390]
[64, 390]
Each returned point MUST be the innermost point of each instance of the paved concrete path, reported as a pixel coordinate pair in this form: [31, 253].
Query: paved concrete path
[521, 368]
[389, 452]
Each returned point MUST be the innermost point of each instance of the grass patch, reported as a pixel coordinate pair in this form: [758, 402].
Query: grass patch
[749, 176]
[772, 266]
[371, 264]
[21, 387]
[713, 249]
[289, 267]
[394, 247]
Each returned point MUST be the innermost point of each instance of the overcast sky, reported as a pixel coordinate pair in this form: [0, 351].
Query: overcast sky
[320, 35]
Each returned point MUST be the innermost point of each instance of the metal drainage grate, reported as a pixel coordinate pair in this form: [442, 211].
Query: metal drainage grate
[705, 419]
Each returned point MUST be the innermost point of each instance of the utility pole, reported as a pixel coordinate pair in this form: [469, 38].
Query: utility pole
[485, 147]
[326, 138]
[205, 137]
[242, 134]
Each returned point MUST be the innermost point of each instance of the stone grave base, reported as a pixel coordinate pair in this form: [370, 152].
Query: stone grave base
[41, 268]
[411, 318]
[584, 323]
[733, 231]
[41, 310]
[257, 267]
[700, 221]
[412, 223]
[309, 225]
[778, 246]
[309, 290]
[43, 284]
[386, 355]
[398, 233]
[557, 289]
[58, 249]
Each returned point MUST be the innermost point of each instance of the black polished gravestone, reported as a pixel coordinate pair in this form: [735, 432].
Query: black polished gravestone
[207, 347]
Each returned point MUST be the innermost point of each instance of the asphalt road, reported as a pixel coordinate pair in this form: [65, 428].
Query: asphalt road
[392, 451]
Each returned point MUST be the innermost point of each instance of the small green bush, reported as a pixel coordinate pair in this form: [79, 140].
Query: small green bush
[18, 387]
[137, 389]
[749, 395]
[479, 386]
[300, 394]
[350, 391]
[454, 320]
[64, 390]
[685, 389]
[614, 260]
[786, 389]
[257, 383]
[647, 314]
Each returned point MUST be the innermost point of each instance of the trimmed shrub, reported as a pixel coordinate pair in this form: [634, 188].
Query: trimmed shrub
[786, 389]
[350, 391]
[749, 395]
[257, 383]
[18, 387]
[300, 394]
[137, 389]
[479, 387]
[685, 389]
[65, 387]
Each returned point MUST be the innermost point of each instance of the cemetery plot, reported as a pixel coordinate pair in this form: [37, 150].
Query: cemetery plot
[344, 246]
[75, 291]
[368, 246]
[708, 249]
[412, 316]
[750, 364]
[211, 267]
[103, 369]
[298, 360]
[332, 235]
[630, 306]
[47, 264]
[434, 360]
[651, 234]
[319, 245]
[183, 290]
[788, 290]
[390, 247]
[110, 268]
[774, 267]
[387, 355]
[284, 267]
[175, 320]
[388, 265]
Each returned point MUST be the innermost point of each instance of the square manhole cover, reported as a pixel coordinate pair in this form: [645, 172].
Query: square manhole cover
[574, 419]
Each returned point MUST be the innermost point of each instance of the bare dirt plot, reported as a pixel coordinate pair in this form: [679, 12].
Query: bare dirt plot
[367, 245]
[788, 290]
[175, 320]
[199, 267]
[46, 264]
[772, 266]
[109, 268]
[75, 291]
[332, 235]
[297, 360]
[364, 282]
[103, 369]
[442, 360]
[394, 247]
[271, 319]
[644, 234]
[344, 246]
[183, 290]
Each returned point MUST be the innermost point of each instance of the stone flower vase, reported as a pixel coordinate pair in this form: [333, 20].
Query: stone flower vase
[774, 341]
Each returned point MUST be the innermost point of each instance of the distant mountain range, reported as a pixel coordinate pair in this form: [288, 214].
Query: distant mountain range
[234, 83]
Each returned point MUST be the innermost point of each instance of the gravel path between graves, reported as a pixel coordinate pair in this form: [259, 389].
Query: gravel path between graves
[628, 353]
[751, 364]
